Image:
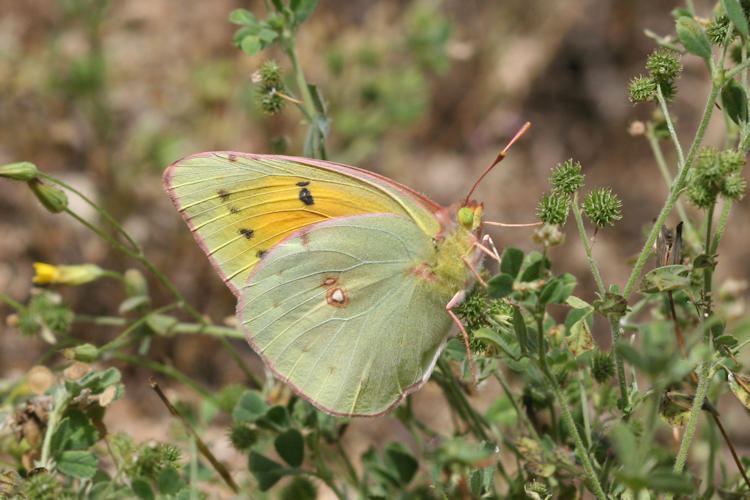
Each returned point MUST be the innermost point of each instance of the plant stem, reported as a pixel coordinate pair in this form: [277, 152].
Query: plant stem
[675, 190]
[720, 227]
[704, 381]
[60, 403]
[186, 328]
[691, 233]
[670, 126]
[12, 303]
[582, 450]
[587, 246]
[99, 210]
[707, 274]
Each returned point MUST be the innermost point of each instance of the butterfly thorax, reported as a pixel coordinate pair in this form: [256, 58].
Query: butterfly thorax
[449, 272]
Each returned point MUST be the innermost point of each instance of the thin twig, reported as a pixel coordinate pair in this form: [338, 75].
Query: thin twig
[218, 466]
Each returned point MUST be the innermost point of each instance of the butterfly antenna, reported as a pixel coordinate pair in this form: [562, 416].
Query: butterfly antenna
[499, 158]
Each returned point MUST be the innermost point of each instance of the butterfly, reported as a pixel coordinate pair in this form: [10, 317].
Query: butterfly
[344, 278]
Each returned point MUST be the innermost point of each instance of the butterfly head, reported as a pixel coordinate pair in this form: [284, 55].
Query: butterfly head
[469, 216]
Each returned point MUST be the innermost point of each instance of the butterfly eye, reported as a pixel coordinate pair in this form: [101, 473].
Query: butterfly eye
[466, 216]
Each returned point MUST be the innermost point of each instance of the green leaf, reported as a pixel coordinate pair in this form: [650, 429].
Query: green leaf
[291, 447]
[399, 459]
[250, 407]
[577, 303]
[668, 481]
[727, 340]
[80, 464]
[567, 285]
[734, 101]
[535, 270]
[266, 471]
[736, 15]
[666, 279]
[169, 481]
[692, 37]
[674, 408]
[519, 326]
[501, 411]
[580, 339]
[612, 305]
[739, 386]
[490, 336]
[142, 488]
[549, 290]
[161, 324]
[95, 381]
[76, 431]
[276, 418]
[299, 488]
[625, 444]
[243, 17]
[302, 9]
[510, 262]
[250, 45]
[131, 303]
[267, 36]
[500, 286]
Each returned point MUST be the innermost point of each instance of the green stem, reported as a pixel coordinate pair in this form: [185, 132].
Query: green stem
[720, 227]
[12, 303]
[181, 328]
[96, 207]
[691, 233]
[584, 408]
[587, 246]
[60, 403]
[458, 402]
[582, 450]
[674, 192]
[704, 382]
[670, 125]
[310, 110]
[707, 274]
[122, 337]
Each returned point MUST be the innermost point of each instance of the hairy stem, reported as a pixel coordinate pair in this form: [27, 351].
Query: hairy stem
[675, 190]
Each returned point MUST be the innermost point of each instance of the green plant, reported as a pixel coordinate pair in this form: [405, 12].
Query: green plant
[572, 420]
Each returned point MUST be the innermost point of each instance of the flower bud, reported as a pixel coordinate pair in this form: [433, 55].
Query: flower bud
[52, 198]
[66, 275]
[83, 352]
[20, 171]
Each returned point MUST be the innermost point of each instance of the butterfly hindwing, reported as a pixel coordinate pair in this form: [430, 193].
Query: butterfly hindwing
[340, 311]
[239, 206]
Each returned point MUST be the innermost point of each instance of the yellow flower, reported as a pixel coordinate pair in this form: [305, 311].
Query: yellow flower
[66, 275]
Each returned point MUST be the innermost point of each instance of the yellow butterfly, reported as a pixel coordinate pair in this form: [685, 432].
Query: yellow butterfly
[342, 275]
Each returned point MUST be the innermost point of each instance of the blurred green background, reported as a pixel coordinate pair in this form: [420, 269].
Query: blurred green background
[105, 95]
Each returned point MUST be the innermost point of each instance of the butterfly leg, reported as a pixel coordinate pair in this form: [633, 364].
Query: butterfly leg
[473, 271]
[456, 300]
[487, 241]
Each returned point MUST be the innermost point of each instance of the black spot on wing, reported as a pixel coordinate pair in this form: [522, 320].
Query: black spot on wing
[247, 233]
[223, 194]
[303, 183]
[306, 197]
[234, 210]
[261, 253]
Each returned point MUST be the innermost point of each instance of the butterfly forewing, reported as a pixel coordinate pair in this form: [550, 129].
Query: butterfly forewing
[340, 311]
[240, 206]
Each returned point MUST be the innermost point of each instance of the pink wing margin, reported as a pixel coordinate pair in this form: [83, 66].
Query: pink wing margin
[372, 178]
